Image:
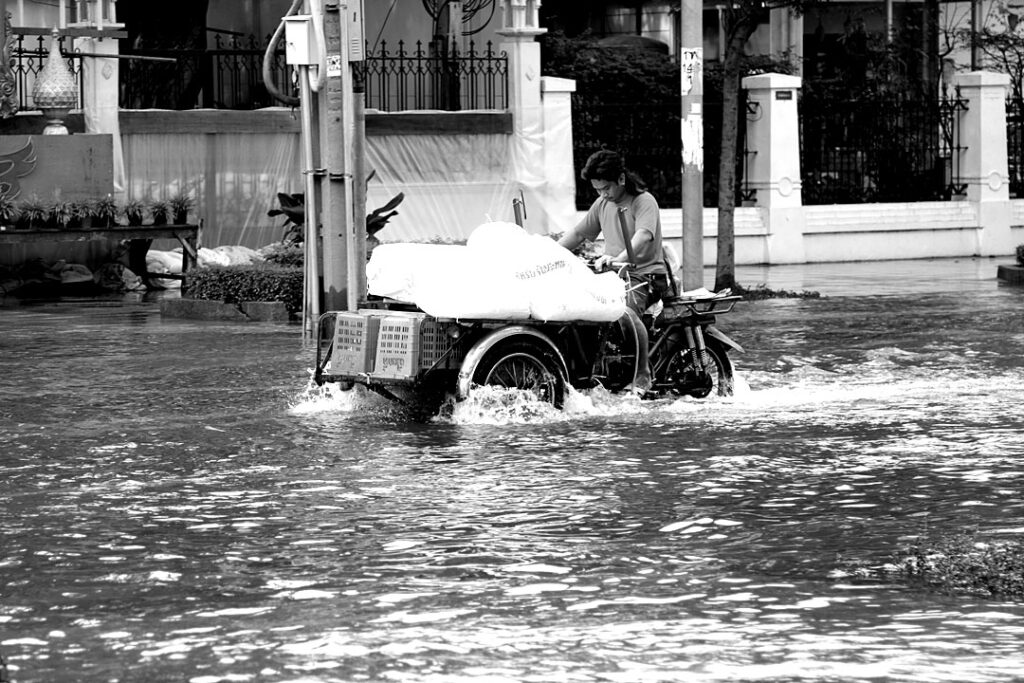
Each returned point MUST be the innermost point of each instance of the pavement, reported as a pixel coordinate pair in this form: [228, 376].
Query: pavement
[918, 276]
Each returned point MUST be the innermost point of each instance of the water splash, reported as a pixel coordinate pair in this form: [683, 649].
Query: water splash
[333, 398]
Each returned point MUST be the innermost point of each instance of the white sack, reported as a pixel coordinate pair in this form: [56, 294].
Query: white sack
[502, 272]
[211, 257]
[394, 269]
[598, 297]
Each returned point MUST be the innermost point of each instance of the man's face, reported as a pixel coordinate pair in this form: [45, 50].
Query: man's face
[610, 189]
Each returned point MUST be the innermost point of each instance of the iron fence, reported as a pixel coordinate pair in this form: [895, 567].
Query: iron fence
[649, 136]
[28, 57]
[1015, 145]
[430, 78]
[230, 76]
[888, 148]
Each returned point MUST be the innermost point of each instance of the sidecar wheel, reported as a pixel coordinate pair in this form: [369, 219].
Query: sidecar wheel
[524, 365]
[687, 380]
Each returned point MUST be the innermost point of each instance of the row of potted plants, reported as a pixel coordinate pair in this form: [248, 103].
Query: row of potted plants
[34, 213]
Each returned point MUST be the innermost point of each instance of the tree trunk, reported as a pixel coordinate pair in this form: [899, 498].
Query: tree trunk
[725, 270]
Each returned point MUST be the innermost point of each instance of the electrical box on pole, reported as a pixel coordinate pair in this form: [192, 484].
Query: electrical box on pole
[356, 31]
[301, 47]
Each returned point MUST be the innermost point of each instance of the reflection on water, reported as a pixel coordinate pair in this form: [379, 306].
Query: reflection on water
[178, 504]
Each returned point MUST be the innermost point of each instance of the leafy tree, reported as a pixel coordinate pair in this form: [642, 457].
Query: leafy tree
[1001, 41]
[740, 18]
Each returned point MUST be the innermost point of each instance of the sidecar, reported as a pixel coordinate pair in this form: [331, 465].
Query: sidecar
[406, 355]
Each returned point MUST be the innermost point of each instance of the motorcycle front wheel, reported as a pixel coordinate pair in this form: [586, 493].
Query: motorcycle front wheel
[685, 377]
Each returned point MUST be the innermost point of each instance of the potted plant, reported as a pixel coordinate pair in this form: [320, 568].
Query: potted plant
[8, 213]
[134, 212]
[159, 210]
[64, 215]
[180, 205]
[84, 210]
[34, 213]
[104, 212]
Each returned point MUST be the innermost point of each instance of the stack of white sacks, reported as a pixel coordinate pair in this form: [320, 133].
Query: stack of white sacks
[158, 261]
[502, 272]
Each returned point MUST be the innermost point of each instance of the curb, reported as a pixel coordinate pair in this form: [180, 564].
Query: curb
[1013, 275]
[247, 311]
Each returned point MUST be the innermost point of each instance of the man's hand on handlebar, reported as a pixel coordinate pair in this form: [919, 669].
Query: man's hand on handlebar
[607, 262]
[602, 263]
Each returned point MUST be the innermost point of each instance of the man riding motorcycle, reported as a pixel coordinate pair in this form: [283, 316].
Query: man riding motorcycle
[637, 236]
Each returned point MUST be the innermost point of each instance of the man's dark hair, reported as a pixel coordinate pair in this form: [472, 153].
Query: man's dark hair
[608, 165]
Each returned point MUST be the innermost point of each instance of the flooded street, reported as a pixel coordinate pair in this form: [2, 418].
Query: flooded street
[178, 504]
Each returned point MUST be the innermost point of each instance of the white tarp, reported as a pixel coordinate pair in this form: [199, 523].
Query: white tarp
[502, 272]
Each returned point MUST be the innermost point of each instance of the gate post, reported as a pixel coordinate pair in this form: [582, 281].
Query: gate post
[519, 30]
[983, 158]
[773, 136]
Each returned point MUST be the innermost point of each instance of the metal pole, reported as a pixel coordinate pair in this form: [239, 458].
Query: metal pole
[311, 220]
[334, 153]
[691, 60]
[357, 267]
[352, 238]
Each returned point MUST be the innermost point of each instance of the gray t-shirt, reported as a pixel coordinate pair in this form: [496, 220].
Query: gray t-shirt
[642, 213]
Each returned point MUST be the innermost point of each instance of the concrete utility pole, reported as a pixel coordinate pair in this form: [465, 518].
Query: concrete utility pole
[691, 62]
[341, 271]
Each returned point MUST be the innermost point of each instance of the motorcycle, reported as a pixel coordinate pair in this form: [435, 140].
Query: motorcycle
[401, 353]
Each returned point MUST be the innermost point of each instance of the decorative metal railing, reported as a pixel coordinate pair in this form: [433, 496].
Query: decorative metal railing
[887, 148]
[28, 57]
[230, 76]
[1015, 145]
[425, 78]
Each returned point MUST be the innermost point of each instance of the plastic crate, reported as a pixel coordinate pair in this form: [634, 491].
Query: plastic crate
[355, 343]
[434, 343]
[397, 346]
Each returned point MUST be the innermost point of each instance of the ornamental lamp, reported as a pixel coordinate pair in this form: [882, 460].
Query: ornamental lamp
[55, 91]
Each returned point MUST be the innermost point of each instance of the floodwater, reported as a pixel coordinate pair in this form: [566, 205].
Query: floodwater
[176, 504]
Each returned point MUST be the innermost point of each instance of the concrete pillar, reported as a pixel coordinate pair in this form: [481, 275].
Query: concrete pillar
[558, 158]
[773, 170]
[983, 158]
[519, 31]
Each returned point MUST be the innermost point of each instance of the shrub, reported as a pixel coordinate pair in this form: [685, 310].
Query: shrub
[254, 282]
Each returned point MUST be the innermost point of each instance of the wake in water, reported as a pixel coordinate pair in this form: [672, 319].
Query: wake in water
[497, 406]
[888, 382]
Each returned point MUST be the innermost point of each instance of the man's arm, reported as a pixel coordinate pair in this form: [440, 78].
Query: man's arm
[570, 239]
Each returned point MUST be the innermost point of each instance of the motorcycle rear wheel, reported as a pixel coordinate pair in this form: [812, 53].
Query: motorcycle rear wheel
[686, 379]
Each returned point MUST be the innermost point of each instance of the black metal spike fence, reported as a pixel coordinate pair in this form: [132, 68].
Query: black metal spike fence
[1015, 145]
[649, 137]
[431, 78]
[230, 76]
[887, 148]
